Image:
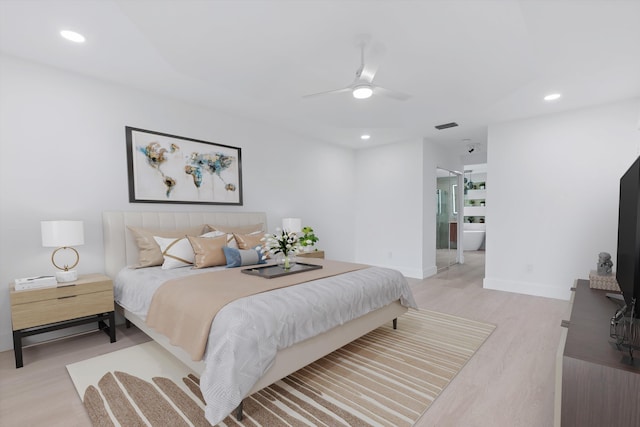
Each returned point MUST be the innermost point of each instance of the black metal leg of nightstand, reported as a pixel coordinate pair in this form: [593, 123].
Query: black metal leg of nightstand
[108, 329]
[395, 323]
[112, 326]
[17, 348]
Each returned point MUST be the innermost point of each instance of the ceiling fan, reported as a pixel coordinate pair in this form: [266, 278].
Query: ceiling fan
[362, 87]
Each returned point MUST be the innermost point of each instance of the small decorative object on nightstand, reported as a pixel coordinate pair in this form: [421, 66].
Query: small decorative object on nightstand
[86, 300]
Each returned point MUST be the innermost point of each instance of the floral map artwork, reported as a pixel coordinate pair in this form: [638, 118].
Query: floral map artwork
[183, 170]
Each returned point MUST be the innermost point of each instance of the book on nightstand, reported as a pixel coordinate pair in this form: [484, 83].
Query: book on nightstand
[35, 283]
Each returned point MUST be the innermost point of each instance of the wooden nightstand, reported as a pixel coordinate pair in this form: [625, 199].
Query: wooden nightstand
[35, 311]
[314, 254]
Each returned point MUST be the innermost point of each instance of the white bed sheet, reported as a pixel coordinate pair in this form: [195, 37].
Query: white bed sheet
[247, 333]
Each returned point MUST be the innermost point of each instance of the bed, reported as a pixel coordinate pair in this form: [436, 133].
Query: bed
[121, 251]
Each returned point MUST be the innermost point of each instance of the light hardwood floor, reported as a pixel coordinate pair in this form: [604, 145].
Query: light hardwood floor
[509, 382]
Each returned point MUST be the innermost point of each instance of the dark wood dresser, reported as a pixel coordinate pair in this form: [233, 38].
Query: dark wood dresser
[599, 388]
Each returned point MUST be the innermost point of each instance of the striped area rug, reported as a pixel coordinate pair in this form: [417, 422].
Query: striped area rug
[386, 378]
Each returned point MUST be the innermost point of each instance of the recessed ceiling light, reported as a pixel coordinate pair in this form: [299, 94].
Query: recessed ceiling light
[552, 97]
[72, 36]
[362, 92]
[365, 137]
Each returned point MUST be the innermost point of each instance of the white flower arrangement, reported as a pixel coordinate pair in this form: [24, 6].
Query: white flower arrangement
[282, 242]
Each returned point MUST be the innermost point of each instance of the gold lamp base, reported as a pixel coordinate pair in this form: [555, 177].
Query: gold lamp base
[66, 274]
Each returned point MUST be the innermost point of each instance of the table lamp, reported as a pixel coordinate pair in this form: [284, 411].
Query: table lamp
[292, 225]
[63, 235]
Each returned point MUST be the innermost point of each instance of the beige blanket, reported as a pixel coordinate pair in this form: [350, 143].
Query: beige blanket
[183, 309]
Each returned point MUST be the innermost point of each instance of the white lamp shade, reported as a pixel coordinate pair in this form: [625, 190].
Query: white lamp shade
[58, 234]
[292, 225]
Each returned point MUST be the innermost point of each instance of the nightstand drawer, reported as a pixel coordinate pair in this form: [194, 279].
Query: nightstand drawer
[65, 307]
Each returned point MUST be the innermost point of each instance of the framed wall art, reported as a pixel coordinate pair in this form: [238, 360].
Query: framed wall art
[167, 168]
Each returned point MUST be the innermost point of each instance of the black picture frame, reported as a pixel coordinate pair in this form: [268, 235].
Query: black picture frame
[164, 168]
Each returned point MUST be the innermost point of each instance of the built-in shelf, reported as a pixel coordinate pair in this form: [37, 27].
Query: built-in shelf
[474, 219]
[475, 194]
[475, 210]
[475, 201]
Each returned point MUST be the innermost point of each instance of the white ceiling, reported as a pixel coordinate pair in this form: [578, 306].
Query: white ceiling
[472, 62]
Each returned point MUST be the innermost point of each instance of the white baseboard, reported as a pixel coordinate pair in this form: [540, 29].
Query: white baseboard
[429, 271]
[6, 341]
[528, 288]
[413, 273]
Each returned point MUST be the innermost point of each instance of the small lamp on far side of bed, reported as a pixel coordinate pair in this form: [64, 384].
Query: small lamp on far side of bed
[63, 235]
[292, 225]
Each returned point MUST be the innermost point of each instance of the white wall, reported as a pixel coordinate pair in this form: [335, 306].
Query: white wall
[62, 156]
[396, 205]
[552, 201]
[389, 206]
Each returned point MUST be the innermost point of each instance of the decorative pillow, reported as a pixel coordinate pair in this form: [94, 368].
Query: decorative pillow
[241, 257]
[150, 254]
[176, 252]
[230, 229]
[249, 241]
[208, 251]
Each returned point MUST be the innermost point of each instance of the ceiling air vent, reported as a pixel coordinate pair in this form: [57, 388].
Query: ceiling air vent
[447, 125]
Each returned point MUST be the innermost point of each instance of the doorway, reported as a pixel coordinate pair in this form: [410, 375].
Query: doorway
[447, 215]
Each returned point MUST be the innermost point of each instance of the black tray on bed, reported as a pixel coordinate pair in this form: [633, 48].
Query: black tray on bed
[271, 271]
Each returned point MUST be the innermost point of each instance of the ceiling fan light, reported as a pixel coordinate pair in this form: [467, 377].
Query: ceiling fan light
[72, 36]
[362, 92]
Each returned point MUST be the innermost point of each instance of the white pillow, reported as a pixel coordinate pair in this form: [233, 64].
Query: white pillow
[178, 252]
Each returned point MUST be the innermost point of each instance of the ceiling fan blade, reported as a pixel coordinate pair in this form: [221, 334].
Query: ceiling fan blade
[368, 72]
[400, 96]
[370, 66]
[345, 89]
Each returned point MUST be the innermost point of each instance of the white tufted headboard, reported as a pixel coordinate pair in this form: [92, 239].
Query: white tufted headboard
[120, 248]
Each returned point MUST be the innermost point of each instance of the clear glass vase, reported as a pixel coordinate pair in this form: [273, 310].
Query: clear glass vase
[286, 261]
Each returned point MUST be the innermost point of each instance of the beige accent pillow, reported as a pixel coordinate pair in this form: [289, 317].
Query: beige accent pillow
[149, 253]
[208, 251]
[250, 241]
[230, 229]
